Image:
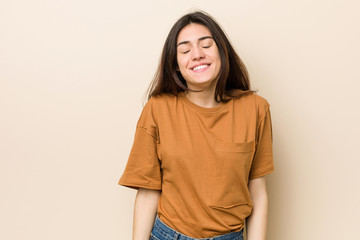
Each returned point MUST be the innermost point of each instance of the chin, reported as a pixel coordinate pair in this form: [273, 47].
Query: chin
[199, 83]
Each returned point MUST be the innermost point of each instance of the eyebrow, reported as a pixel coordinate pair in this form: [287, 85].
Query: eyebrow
[200, 39]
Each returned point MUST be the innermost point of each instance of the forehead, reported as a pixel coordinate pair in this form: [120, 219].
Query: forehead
[193, 32]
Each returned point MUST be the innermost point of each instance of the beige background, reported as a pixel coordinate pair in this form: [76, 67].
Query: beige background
[72, 79]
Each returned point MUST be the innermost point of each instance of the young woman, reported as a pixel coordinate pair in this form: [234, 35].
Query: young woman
[203, 142]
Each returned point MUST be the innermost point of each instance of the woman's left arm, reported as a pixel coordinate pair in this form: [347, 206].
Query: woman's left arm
[256, 223]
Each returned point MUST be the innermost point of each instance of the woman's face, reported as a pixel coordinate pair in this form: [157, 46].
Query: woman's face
[198, 57]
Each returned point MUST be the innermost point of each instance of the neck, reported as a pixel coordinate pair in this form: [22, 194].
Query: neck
[204, 98]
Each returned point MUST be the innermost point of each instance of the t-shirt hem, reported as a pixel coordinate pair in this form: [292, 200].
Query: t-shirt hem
[262, 174]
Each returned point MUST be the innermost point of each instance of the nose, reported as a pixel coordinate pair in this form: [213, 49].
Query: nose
[197, 53]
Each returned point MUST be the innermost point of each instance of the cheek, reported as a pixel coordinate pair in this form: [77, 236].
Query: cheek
[218, 61]
[181, 63]
[217, 56]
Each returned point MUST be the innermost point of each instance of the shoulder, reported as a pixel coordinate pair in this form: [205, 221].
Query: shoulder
[161, 100]
[262, 105]
[254, 101]
[156, 105]
[260, 101]
[255, 98]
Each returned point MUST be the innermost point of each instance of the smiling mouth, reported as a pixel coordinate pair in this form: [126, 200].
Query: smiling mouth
[200, 67]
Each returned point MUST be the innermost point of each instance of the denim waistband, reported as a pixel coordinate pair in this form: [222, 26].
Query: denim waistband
[175, 235]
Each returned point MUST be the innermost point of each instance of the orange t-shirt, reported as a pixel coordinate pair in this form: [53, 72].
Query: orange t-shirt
[202, 159]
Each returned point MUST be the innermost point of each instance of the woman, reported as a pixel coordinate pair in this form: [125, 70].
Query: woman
[203, 142]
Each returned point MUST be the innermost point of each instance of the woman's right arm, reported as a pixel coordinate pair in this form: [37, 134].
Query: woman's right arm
[145, 208]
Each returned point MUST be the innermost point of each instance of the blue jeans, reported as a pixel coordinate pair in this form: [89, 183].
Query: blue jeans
[161, 231]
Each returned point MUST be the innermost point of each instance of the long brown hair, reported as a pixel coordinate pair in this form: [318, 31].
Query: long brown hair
[233, 80]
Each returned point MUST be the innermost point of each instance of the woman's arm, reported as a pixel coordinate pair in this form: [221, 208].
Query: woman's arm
[257, 221]
[144, 213]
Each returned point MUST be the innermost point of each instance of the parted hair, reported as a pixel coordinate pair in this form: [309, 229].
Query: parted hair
[233, 79]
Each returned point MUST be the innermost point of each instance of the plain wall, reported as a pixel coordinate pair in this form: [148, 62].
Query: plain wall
[73, 74]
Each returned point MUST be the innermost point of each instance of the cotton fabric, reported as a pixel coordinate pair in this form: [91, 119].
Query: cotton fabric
[161, 231]
[202, 160]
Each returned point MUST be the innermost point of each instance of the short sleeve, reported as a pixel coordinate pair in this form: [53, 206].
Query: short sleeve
[263, 163]
[143, 168]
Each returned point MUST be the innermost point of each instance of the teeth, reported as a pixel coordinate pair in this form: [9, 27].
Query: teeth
[200, 67]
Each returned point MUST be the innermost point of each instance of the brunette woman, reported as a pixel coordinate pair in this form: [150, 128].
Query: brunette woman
[203, 142]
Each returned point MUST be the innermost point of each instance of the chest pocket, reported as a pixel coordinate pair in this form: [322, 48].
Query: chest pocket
[231, 173]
